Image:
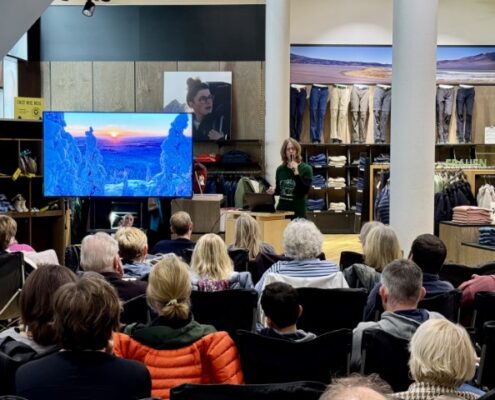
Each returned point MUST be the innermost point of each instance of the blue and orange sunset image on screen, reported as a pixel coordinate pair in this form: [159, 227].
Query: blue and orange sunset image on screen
[117, 154]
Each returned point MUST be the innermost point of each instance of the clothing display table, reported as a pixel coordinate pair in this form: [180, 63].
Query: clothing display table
[476, 254]
[272, 226]
[454, 235]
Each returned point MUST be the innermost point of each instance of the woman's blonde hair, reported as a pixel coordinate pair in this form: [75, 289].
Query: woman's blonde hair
[169, 288]
[381, 248]
[366, 229]
[442, 354]
[210, 258]
[8, 229]
[283, 150]
[248, 235]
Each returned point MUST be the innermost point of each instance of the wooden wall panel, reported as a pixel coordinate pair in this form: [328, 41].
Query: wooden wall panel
[114, 88]
[71, 86]
[45, 84]
[198, 66]
[149, 84]
[247, 101]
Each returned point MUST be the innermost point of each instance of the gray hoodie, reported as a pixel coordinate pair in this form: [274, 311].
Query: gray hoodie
[390, 322]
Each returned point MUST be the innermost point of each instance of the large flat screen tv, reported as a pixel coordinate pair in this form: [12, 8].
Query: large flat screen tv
[117, 154]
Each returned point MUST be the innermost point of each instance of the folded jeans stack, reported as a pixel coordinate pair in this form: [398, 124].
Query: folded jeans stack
[339, 206]
[318, 181]
[359, 207]
[363, 162]
[471, 215]
[337, 161]
[382, 158]
[360, 183]
[318, 160]
[487, 236]
[316, 204]
[336, 182]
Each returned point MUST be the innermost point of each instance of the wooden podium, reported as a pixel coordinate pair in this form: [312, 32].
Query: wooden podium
[272, 226]
[204, 210]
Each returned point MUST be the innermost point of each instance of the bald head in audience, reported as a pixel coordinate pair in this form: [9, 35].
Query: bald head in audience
[357, 387]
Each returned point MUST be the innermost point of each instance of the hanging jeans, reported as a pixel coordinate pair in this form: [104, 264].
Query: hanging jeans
[445, 101]
[359, 110]
[382, 102]
[297, 106]
[318, 108]
[464, 103]
[340, 96]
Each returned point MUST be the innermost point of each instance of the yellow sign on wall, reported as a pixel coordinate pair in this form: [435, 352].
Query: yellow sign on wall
[29, 107]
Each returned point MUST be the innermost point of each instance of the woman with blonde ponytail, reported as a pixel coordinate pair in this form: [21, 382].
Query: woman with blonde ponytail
[175, 348]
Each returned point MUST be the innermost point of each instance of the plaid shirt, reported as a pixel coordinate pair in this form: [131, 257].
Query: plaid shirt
[428, 391]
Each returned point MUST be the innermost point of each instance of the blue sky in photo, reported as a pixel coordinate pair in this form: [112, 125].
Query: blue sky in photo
[380, 54]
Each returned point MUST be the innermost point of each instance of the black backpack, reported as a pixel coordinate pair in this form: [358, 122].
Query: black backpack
[13, 354]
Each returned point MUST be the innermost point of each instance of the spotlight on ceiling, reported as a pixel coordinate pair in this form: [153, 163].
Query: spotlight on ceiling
[89, 8]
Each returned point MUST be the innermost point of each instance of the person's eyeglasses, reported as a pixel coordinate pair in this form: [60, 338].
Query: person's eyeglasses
[204, 99]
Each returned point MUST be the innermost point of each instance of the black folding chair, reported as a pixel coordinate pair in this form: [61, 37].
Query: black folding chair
[269, 360]
[456, 273]
[484, 310]
[226, 310]
[12, 277]
[387, 356]
[486, 370]
[447, 304]
[326, 310]
[347, 258]
[135, 310]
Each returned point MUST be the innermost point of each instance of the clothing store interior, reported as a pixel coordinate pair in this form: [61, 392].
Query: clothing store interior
[247, 199]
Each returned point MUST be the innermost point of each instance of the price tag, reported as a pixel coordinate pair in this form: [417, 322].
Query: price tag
[17, 174]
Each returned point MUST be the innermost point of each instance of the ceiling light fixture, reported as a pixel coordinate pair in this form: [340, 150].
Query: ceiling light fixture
[89, 8]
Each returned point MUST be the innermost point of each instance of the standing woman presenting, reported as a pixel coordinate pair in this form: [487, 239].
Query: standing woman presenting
[293, 180]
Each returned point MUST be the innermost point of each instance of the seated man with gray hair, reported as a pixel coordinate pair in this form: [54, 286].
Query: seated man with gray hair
[401, 290]
[100, 253]
[302, 243]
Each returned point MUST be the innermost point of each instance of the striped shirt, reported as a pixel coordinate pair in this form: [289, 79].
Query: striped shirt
[312, 268]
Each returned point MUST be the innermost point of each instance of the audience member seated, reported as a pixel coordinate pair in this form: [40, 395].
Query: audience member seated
[366, 229]
[428, 252]
[133, 249]
[36, 332]
[280, 304]
[8, 230]
[212, 269]
[175, 348]
[182, 226]
[442, 359]
[400, 292]
[381, 248]
[357, 387]
[85, 314]
[302, 242]
[248, 236]
[478, 283]
[100, 253]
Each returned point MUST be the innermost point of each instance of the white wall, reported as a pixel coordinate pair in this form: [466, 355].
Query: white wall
[460, 22]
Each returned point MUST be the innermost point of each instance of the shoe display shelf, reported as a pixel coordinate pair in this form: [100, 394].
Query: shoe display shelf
[40, 221]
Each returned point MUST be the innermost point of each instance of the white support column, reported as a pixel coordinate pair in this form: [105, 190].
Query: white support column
[277, 80]
[413, 118]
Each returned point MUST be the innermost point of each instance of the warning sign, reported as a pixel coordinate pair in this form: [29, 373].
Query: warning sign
[29, 107]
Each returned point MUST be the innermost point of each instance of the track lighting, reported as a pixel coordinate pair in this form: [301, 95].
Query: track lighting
[89, 8]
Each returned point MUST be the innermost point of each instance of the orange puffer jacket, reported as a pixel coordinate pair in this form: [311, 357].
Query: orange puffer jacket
[211, 359]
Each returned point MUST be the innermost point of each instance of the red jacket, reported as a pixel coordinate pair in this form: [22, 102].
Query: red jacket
[211, 359]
